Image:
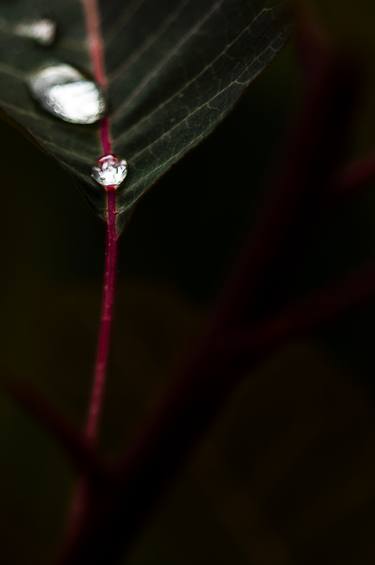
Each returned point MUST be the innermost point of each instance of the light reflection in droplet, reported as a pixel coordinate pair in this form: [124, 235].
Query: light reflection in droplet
[66, 93]
[110, 171]
[42, 31]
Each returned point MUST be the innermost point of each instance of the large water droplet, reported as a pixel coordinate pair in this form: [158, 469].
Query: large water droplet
[42, 31]
[66, 93]
[110, 171]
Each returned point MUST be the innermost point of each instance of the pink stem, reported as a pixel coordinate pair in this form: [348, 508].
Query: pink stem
[95, 41]
[80, 499]
[105, 136]
[105, 329]
[96, 47]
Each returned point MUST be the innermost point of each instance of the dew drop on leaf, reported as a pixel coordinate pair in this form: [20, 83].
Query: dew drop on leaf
[66, 93]
[42, 31]
[110, 171]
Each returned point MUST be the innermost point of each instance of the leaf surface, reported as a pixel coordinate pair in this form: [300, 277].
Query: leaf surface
[174, 69]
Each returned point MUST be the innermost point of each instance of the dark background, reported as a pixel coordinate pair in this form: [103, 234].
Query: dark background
[287, 474]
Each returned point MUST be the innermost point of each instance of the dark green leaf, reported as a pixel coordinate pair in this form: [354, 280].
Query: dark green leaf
[175, 70]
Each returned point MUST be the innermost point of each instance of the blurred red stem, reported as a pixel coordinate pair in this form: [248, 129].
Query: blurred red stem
[74, 444]
[303, 316]
[355, 175]
[313, 43]
[207, 384]
[160, 451]
[299, 191]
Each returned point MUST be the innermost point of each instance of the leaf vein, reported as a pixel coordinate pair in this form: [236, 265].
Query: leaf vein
[207, 68]
[124, 20]
[156, 70]
[186, 118]
[116, 73]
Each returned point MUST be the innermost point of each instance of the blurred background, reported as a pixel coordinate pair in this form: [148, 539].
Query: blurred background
[287, 473]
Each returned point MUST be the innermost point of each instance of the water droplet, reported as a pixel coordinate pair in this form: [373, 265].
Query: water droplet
[42, 31]
[110, 171]
[66, 93]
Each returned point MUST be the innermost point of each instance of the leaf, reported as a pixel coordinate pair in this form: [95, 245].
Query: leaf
[174, 69]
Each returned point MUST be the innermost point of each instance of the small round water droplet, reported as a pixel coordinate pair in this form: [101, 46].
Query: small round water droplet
[110, 171]
[42, 31]
[66, 93]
